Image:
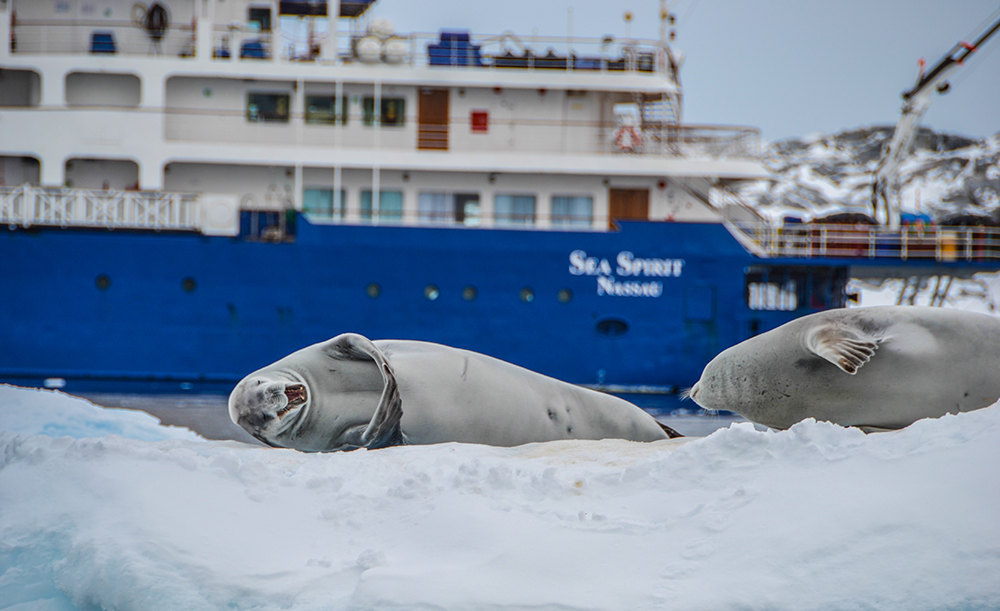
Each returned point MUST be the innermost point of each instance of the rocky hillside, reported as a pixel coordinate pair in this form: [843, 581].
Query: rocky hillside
[824, 174]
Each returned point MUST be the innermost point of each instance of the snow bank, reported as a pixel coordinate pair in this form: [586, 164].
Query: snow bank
[30, 411]
[817, 517]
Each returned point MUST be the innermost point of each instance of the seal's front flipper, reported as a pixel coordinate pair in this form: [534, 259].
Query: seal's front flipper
[847, 348]
[384, 429]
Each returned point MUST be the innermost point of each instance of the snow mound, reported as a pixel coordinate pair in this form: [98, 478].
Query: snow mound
[816, 517]
[30, 411]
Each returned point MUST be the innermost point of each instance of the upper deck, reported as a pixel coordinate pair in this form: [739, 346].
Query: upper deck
[223, 82]
[241, 36]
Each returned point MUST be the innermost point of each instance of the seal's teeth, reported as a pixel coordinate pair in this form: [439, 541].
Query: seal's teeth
[296, 395]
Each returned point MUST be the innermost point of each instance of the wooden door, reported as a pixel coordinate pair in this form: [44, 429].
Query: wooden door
[432, 119]
[628, 205]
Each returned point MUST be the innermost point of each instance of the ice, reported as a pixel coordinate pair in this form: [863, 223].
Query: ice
[816, 517]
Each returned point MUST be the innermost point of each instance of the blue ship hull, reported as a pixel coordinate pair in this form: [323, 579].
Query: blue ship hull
[165, 311]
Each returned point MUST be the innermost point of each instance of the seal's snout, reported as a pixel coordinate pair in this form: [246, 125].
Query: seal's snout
[688, 394]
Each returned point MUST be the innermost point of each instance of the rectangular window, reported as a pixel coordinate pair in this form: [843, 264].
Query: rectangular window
[319, 202]
[772, 296]
[267, 107]
[572, 210]
[325, 109]
[787, 289]
[515, 209]
[390, 205]
[393, 111]
[460, 208]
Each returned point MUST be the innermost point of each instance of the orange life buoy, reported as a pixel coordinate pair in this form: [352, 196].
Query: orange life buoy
[627, 138]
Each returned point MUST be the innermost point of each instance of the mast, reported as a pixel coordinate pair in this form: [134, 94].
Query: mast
[885, 190]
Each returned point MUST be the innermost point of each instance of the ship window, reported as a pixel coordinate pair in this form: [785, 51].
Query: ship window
[565, 295]
[572, 210]
[431, 292]
[462, 208]
[393, 111]
[515, 209]
[259, 19]
[373, 290]
[189, 285]
[102, 282]
[788, 289]
[267, 107]
[320, 202]
[772, 296]
[611, 327]
[325, 109]
[469, 293]
[390, 205]
[527, 294]
[19, 88]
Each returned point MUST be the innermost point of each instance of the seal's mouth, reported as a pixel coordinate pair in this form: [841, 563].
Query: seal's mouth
[297, 396]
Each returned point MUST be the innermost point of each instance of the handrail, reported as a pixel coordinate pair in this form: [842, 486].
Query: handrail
[28, 205]
[814, 240]
[232, 41]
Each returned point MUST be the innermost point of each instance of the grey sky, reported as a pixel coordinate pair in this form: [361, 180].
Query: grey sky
[790, 67]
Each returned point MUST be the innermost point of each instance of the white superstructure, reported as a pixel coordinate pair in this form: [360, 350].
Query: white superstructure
[224, 107]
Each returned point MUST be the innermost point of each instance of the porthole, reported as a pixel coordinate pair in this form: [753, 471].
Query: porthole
[189, 285]
[431, 292]
[102, 282]
[565, 295]
[527, 295]
[469, 293]
[373, 290]
[611, 327]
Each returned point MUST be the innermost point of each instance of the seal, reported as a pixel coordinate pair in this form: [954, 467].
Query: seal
[350, 392]
[876, 368]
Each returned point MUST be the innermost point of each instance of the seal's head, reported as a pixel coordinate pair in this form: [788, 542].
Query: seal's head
[268, 405]
[721, 386]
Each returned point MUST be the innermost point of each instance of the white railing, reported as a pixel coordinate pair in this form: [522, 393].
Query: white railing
[242, 41]
[854, 241]
[808, 240]
[28, 205]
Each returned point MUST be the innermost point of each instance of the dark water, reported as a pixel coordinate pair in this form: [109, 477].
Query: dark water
[208, 414]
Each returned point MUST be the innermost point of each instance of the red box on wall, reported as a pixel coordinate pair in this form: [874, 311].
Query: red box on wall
[480, 121]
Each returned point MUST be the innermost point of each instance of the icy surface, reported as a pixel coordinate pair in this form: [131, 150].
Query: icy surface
[28, 411]
[817, 517]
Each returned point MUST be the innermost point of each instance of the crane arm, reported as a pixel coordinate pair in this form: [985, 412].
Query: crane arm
[885, 190]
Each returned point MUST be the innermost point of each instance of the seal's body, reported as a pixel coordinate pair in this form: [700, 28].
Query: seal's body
[350, 392]
[875, 368]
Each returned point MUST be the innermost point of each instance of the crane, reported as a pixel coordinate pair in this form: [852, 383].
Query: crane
[886, 187]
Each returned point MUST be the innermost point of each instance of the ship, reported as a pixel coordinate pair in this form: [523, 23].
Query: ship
[190, 191]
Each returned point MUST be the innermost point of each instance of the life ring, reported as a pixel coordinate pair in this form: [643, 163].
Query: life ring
[139, 14]
[627, 138]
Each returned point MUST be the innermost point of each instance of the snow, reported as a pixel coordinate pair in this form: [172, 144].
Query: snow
[29, 411]
[119, 515]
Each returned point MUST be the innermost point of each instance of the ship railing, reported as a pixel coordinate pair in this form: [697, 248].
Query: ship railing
[812, 240]
[28, 206]
[244, 41]
[494, 134]
[714, 141]
[99, 37]
[456, 49]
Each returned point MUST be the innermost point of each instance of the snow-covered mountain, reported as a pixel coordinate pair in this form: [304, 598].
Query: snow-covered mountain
[819, 175]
